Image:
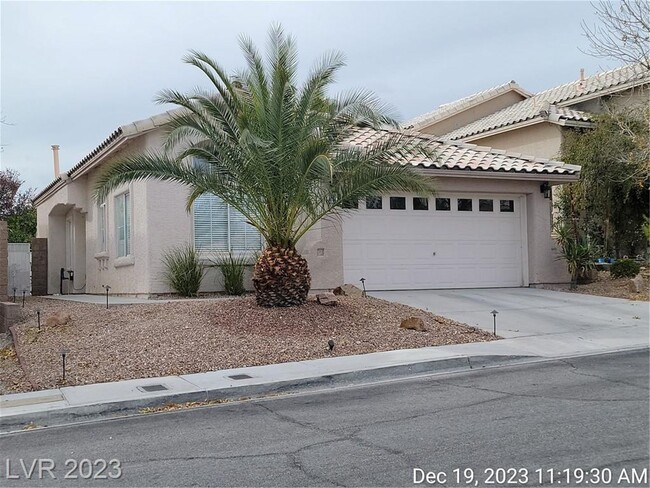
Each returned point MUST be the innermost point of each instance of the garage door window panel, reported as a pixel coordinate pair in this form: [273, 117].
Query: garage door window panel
[443, 204]
[464, 204]
[398, 203]
[507, 205]
[374, 203]
[485, 205]
[420, 203]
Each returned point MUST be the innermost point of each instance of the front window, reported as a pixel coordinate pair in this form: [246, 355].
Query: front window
[101, 227]
[123, 224]
[220, 227]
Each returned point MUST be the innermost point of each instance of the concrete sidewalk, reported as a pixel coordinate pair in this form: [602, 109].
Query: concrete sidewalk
[523, 343]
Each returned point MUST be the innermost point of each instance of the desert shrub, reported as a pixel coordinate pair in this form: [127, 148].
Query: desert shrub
[624, 268]
[232, 268]
[183, 270]
[578, 254]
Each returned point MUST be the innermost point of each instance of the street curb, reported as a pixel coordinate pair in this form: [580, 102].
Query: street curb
[105, 410]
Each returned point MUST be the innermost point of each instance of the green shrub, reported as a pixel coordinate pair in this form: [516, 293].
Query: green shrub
[232, 268]
[578, 254]
[624, 268]
[183, 270]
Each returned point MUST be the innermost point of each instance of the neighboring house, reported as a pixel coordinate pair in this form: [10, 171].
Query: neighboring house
[488, 226]
[507, 117]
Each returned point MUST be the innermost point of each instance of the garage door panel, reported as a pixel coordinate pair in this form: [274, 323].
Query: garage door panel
[407, 249]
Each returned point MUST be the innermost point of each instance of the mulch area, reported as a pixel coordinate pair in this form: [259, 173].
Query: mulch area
[137, 341]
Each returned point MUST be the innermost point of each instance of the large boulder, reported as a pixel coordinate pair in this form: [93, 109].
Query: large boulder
[636, 284]
[348, 291]
[58, 318]
[413, 323]
[327, 299]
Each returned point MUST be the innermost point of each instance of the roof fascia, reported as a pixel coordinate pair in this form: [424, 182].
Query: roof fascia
[519, 175]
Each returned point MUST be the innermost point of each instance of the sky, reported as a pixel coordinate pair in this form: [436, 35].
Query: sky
[72, 72]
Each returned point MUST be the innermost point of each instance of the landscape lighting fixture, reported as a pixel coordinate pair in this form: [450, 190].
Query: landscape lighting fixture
[330, 344]
[107, 288]
[363, 283]
[64, 352]
[494, 316]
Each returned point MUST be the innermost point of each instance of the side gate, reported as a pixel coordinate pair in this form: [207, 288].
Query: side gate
[20, 269]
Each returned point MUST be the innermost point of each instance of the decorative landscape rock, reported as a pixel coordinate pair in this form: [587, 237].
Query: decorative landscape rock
[327, 299]
[59, 318]
[636, 284]
[413, 323]
[348, 291]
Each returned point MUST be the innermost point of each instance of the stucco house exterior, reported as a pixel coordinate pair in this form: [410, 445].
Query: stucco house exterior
[511, 118]
[488, 226]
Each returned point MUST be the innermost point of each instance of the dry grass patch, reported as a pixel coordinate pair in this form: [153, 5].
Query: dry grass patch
[136, 341]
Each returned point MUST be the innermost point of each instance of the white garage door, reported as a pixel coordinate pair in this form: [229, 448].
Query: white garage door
[450, 241]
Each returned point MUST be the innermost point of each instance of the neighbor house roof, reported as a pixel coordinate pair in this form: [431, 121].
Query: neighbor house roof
[463, 156]
[537, 106]
[452, 108]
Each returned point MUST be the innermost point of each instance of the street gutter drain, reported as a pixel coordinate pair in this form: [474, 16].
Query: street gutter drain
[151, 388]
[239, 377]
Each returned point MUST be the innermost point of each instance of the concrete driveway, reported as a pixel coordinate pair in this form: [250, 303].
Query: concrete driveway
[525, 312]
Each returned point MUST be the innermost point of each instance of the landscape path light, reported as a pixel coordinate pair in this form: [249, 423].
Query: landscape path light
[38, 316]
[107, 288]
[64, 353]
[494, 316]
[363, 284]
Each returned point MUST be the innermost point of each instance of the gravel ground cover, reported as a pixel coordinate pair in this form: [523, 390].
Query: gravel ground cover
[606, 286]
[12, 378]
[136, 341]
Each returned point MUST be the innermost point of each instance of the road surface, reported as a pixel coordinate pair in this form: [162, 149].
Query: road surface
[524, 425]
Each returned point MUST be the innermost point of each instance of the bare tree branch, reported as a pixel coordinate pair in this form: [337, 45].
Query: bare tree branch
[623, 32]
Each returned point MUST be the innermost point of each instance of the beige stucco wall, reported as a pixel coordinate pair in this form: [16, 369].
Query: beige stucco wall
[470, 115]
[542, 140]
[160, 221]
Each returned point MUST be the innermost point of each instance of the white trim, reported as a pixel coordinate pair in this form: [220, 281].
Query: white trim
[459, 173]
[523, 216]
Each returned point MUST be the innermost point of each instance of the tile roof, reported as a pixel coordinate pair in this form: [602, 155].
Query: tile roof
[449, 109]
[562, 96]
[462, 156]
[124, 131]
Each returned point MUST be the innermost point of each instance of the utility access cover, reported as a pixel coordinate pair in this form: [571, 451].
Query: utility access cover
[239, 377]
[152, 388]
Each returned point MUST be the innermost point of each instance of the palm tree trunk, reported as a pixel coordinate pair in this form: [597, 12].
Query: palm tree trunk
[281, 278]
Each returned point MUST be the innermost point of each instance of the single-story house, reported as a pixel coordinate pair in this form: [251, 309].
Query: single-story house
[488, 226]
[511, 118]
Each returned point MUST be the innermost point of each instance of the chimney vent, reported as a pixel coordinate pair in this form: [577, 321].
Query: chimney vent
[55, 154]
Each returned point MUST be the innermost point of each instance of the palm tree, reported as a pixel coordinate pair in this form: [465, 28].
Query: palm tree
[277, 152]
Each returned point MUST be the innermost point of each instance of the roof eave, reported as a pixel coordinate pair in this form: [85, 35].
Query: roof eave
[551, 177]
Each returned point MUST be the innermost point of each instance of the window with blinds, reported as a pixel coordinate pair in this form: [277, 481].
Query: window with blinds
[123, 224]
[219, 227]
[101, 227]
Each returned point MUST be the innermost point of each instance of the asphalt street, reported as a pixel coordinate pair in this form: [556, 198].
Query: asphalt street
[577, 422]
